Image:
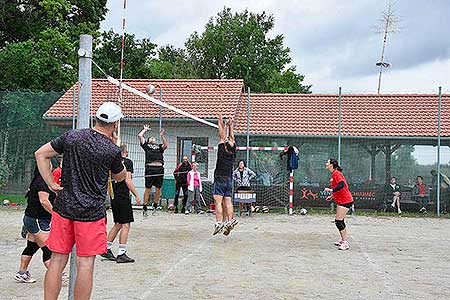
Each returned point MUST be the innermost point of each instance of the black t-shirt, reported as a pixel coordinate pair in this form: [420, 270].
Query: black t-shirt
[121, 189]
[88, 158]
[180, 173]
[224, 163]
[34, 207]
[153, 152]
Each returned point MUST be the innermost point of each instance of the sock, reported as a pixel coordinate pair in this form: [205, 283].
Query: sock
[122, 249]
[144, 207]
[22, 272]
[110, 244]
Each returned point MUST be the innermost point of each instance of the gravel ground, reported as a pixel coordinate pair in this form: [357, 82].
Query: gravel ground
[268, 256]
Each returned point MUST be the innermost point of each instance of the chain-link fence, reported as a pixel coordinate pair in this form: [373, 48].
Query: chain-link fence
[376, 137]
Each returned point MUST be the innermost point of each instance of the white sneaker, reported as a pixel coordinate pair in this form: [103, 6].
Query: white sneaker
[344, 246]
[25, 277]
[338, 243]
[393, 204]
[218, 227]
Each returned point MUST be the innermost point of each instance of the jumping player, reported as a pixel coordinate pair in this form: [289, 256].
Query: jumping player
[122, 211]
[154, 165]
[343, 198]
[226, 155]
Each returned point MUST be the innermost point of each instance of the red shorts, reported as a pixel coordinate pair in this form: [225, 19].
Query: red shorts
[89, 237]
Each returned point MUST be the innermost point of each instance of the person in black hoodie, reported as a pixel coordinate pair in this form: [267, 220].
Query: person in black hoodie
[180, 174]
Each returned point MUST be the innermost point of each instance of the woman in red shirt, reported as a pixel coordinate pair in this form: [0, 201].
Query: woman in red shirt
[343, 198]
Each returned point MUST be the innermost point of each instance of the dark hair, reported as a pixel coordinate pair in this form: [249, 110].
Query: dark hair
[243, 161]
[101, 123]
[229, 148]
[419, 177]
[335, 164]
[394, 177]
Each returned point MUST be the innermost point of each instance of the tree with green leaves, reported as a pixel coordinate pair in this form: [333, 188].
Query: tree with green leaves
[39, 39]
[238, 46]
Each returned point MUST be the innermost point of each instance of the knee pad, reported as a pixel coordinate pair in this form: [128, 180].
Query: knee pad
[30, 249]
[46, 253]
[340, 224]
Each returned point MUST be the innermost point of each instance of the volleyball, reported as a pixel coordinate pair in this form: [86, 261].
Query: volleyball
[171, 207]
[257, 208]
[150, 89]
[303, 211]
[265, 209]
[6, 202]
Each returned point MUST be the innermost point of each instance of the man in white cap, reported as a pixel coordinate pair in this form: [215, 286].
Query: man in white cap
[79, 213]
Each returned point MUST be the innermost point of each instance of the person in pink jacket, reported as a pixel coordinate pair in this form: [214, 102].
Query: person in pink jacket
[194, 182]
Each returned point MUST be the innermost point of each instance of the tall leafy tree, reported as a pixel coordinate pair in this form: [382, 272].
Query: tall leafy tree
[238, 46]
[137, 56]
[39, 39]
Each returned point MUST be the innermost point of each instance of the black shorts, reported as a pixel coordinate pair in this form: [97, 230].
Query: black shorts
[122, 210]
[347, 205]
[151, 179]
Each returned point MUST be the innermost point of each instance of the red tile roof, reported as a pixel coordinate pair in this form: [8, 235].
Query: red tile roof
[200, 97]
[368, 115]
[402, 115]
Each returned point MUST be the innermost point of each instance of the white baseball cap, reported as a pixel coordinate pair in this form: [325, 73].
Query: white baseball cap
[109, 112]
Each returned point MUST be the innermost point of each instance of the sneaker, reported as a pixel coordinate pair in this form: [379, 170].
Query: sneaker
[108, 255]
[25, 277]
[144, 211]
[399, 212]
[227, 228]
[393, 204]
[338, 243]
[218, 227]
[186, 212]
[200, 212]
[422, 209]
[234, 222]
[123, 258]
[344, 246]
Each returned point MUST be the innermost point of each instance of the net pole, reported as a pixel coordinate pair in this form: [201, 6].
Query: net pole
[339, 124]
[122, 51]
[291, 192]
[84, 105]
[438, 188]
[248, 127]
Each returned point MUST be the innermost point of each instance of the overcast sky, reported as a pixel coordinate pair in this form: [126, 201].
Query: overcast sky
[333, 42]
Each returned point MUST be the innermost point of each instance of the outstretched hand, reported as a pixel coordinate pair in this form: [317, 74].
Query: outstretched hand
[162, 132]
[146, 127]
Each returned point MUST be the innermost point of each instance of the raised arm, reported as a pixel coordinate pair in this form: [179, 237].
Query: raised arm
[142, 133]
[164, 139]
[222, 130]
[230, 132]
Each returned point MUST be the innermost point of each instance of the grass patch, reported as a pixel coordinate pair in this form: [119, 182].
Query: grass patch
[19, 199]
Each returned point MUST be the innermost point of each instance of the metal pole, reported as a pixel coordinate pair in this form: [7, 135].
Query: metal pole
[160, 108]
[339, 124]
[291, 192]
[438, 190]
[248, 126]
[84, 104]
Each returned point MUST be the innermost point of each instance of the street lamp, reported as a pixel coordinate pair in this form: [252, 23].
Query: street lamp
[151, 90]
